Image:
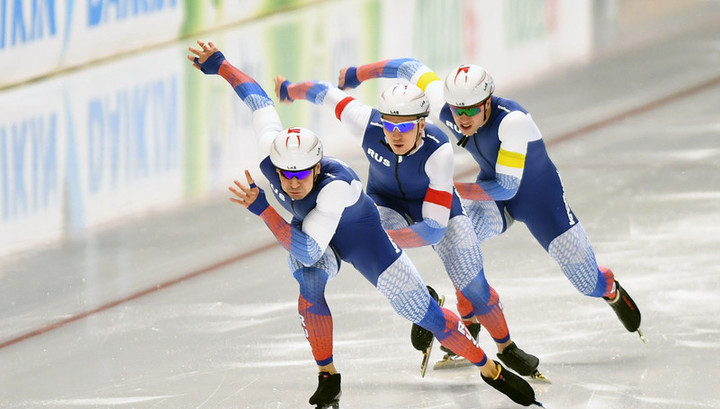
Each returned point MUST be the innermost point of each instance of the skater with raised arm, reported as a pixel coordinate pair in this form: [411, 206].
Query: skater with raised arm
[411, 181]
[517, 180]
[333, 220]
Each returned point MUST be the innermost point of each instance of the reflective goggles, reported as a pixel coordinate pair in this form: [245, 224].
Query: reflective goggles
[468, 111]
[299, 174]
[400, 126]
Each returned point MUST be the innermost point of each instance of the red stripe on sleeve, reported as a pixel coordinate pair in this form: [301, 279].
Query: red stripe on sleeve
[278, 226]
[341, 106]
[373, 70]
[233, 75]
[439, 197]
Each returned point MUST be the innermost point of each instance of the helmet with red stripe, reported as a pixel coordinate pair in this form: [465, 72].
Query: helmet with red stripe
[296, 149]
[468, 85]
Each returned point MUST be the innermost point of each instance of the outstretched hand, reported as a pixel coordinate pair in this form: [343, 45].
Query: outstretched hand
[244, 195]
[202, 54]
[347, 78]
[341, 78]
[279, 79]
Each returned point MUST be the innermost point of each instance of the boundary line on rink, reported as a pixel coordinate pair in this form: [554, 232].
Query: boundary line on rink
[134, 296]
[593, 126]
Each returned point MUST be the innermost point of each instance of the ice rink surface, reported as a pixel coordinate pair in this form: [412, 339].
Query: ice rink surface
[193, 306]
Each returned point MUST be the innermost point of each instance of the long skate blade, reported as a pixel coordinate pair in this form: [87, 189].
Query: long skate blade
[426, 353]
[425, 360]
[642, 337]
[448, 362]
[538, 376]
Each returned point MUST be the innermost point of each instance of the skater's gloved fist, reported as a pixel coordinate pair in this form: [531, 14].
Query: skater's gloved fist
[348, 78]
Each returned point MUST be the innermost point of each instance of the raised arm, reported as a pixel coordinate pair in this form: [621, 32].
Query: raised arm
[353, 114]
[306, 242]
[266, 121]
[412, 70]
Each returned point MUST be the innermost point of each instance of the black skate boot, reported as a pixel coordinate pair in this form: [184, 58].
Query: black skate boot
[625, 308]
[420, 337]
[328, 391]
[512, 386]
[518, 360]
[521, 362]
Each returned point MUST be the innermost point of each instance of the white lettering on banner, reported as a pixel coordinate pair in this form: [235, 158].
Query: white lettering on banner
[24, 22]
[104, 11]
[133, 134]
[28, 166]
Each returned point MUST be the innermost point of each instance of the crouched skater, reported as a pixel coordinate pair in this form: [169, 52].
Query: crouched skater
[334, 220]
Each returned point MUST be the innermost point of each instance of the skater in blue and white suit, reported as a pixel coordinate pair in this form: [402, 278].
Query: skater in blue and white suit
[517, 179]
[410, 178]
[334, 220]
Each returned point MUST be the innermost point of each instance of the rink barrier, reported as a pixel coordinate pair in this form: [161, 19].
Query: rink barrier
[43, 37]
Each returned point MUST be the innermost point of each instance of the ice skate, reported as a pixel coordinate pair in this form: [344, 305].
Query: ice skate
[453, 360]
[512, 386]
[422, 339]
[328, 391]
[626, 310]
[521, 362]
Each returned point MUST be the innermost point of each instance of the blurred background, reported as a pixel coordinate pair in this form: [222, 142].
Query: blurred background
[103, 118]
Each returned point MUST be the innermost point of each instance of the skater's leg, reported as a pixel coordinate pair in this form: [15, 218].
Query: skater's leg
[314, 311]
[488, 218]
[465, 308]
[574, 254]
[460, 252]
[402, 285]
[407, 293]
[317, 323]
[489, 313]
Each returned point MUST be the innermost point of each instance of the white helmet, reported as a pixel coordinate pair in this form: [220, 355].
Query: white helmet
[296, 149]
[468, 85]
[404, 100]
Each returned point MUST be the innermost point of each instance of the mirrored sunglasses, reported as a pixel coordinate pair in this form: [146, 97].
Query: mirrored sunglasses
[300, 174]
[402, 126]
[469, 111]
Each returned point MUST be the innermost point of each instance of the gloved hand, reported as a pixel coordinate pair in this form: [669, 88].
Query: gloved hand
[212, 64]
[260, 203]
[348, 78]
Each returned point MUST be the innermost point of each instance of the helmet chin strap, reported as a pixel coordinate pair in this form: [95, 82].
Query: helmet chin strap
[417, 139]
